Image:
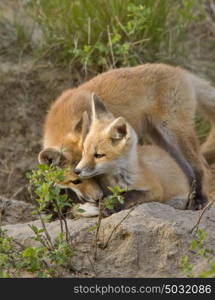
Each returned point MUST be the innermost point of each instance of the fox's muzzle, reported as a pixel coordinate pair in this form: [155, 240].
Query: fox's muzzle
[85, 172]
[77, 171]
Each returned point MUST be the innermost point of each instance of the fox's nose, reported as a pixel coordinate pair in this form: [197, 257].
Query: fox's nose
[77, 171]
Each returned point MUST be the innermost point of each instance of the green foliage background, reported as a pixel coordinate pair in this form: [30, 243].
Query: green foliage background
[100, 34]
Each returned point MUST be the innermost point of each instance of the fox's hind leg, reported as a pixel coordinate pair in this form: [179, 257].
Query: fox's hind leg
[183, 146]
[189, 145]
[208, 147]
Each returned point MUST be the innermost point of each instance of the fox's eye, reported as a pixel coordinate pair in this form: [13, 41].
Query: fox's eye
[76, 181]
[97, 155]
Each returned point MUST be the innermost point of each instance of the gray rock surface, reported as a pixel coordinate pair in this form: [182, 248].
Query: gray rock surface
[148, 243]
[14, 211]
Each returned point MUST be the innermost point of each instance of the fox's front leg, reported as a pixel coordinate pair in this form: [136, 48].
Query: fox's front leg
[85, 210]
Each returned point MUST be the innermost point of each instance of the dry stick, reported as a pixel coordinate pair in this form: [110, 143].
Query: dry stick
[92, 265]
[46, 232]
[89, 31]
[97, 229]
[122, 27]
[44, 242]
[111, 47]
[60, 216]
[17, 192]
[201, 215]
[68, 236]
[9, 179]
[115, 228]
[19, 244]
[4, 205]
[63, 219]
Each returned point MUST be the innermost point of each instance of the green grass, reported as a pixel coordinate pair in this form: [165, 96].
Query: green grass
[99, 34]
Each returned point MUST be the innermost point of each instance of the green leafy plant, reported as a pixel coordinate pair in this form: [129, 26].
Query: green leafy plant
[50, 257]
[115, 198]
[198, 250]
[37, 261]
[43, 182]
[107, 205]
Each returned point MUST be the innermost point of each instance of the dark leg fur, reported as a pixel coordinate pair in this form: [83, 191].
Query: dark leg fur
[199, 200]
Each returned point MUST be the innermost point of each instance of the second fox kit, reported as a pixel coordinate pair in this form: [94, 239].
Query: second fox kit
[111, 151]
[158, 100]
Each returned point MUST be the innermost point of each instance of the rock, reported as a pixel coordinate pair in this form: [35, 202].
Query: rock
[14, 211]
[148, 243]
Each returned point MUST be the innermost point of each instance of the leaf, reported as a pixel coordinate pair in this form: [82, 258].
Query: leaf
[34, 228]
[194, 244]
[43, 167]
[80, 210]
[92, 228]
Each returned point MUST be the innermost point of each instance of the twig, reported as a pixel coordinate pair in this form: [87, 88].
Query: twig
[19, 244]
[201, 215]
[111, 47]
[121, 26]
[9, 179]
[92, 265]
[18, 191]
[4, 205]
[89, 31]
[115, 228]
[63, 219]
[46, 232]
[97, 229]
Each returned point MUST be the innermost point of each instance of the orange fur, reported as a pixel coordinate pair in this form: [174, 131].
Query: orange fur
[167, 95]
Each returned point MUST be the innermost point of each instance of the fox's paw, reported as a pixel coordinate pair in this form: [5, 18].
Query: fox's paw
[85, 210]
[197, 203]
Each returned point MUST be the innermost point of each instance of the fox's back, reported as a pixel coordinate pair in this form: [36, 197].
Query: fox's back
[150, 89]
[158, 90]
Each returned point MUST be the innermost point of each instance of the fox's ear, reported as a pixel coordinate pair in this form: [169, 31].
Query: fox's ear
[118, 129]
[82, 124]
[85, 126]
[98, 108]
[51, 156]
[78, 127]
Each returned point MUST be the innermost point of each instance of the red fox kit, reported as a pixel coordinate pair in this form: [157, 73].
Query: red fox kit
[86, 190]
[155, 177]
[111, 149]
[158, 100]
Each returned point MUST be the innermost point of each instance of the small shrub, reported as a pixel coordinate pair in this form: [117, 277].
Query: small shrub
[51, 257]
[115, 198]
[43, 184]
[199, 251]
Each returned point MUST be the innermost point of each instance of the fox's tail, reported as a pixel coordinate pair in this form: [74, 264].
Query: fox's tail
[205, 95]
